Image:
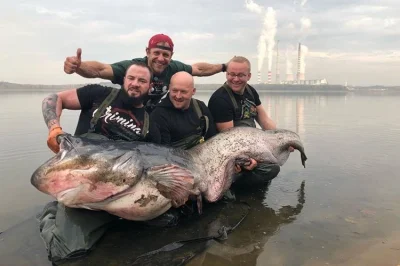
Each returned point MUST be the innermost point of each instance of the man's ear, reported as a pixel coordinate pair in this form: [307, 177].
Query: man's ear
[150, 87]
[147, 51]
[194, 91]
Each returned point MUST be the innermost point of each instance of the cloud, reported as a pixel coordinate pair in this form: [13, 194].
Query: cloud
[193, 36]
[132, 37]
[363, 9]
[142, 35]
[389, 22]
[253, 7]
[360, 23]
[305, 23]
[60, 14]
[302, 3]
[362, 57]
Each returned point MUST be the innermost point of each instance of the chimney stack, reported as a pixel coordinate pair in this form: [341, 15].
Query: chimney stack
[269, 77]
[298, 62]
[277, 63]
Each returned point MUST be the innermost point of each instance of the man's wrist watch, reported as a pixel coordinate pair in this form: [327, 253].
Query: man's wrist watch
[223, 67]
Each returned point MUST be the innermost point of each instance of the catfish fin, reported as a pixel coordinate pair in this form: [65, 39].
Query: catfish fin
[174, 182]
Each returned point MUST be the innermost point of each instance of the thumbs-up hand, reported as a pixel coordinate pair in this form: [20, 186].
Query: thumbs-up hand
[72, 63]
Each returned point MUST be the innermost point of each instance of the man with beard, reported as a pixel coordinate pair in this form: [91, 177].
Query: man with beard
[158, 57]
[106, 113]
[113, 113]
[237, 103]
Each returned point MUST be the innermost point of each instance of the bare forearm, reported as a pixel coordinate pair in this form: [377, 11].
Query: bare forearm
[94, 69]
[205, 69]
[263, 119]
[51, 109]
[224, 126]
[266, 123]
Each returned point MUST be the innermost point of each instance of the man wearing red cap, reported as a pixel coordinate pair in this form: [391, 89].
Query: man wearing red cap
[158, 57]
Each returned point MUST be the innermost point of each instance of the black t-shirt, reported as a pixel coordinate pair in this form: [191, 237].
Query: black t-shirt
[173, 124]
[117, 121]
[222, 108]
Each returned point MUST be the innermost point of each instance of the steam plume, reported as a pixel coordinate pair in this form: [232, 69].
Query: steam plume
[304, 51]
[253, 7]
[305, 23]
[266, 41]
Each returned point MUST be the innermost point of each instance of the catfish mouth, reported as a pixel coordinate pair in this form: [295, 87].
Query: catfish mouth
[37, 176]
[84, 193]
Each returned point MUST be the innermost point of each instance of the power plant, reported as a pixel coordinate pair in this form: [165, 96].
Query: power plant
[265, 48]
[300, 75]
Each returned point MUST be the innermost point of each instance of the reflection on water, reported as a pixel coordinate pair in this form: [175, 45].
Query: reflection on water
[245, 246]
[300, 116]
[352, 208]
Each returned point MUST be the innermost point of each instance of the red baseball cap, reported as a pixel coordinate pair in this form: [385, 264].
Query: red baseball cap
[161, 38]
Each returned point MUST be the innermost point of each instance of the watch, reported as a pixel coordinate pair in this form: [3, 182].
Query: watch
[223, 67]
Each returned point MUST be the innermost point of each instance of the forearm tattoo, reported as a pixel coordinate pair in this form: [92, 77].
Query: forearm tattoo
[49, 110]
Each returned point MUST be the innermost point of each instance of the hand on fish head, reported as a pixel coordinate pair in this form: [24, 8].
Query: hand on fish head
[268, 146]
[86, 171]
[247, 163]
[250, 163]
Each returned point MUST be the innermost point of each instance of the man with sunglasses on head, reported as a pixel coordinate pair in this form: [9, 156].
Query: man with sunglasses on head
[236, 104]
[158, 57]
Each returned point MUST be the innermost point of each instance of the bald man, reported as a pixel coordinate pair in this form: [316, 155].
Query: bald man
[180, 120]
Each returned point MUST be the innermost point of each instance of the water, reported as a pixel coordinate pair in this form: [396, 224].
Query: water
[351, 210]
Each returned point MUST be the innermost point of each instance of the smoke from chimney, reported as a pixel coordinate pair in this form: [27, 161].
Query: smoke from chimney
[305, 23]
[253, 7]
[269, 33]
[266, 41]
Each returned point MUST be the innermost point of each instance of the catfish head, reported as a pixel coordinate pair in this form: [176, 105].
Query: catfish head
[280, 140]
[87, 170]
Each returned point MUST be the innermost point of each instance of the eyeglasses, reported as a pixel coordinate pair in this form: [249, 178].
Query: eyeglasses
[240, 75]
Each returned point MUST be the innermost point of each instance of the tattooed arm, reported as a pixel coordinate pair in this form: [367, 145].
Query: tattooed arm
[49, 110]
[53, 105]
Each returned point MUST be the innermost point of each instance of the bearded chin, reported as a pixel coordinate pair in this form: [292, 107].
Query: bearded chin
[129, 100]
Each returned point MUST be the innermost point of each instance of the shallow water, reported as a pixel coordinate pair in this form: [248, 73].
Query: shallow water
[351, 209]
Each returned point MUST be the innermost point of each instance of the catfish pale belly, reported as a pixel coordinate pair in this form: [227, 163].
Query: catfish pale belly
[140, 181]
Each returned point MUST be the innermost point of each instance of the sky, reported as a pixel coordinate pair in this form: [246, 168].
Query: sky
[353, 41]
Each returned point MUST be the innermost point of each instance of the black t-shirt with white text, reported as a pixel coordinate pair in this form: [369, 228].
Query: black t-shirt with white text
[117, 121]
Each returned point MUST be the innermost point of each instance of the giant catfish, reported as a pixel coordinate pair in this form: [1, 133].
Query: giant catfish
[140, 181]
